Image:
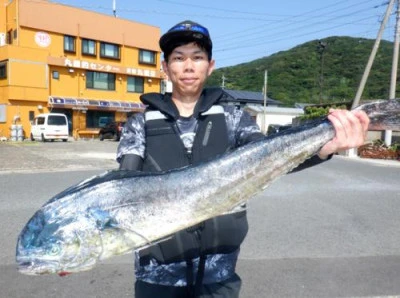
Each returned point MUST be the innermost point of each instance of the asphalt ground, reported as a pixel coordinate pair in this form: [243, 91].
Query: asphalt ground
[90, 154]
[328, 231]
[30, 156]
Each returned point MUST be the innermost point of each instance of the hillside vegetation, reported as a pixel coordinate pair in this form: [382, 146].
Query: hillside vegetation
[295, 75]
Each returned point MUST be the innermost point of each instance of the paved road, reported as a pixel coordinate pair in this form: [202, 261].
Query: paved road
[328, 231]
[57, 156]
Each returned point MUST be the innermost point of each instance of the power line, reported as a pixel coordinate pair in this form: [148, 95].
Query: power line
[256, 51]
[265, 27]
[312, 25]
[291, 19]
[266, 41]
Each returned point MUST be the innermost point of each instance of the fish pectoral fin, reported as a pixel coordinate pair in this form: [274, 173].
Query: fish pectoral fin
[102, 218]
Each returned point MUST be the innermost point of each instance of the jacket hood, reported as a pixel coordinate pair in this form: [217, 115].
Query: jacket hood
[164, 103]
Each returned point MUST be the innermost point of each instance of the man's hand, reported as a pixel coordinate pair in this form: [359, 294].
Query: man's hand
[351, 131]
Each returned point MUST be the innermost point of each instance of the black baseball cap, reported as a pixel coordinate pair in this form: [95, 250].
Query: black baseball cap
[186, 31]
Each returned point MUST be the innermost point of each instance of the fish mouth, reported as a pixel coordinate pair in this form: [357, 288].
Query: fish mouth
[36, 267]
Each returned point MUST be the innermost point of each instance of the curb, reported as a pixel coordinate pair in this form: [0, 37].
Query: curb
[381, 162]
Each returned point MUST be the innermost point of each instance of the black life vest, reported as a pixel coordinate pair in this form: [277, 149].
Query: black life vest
[164, 151]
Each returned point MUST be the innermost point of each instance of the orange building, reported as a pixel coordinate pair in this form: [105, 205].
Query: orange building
[89, 66]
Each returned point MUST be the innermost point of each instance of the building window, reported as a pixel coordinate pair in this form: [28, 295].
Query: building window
[136, 84]
[96, 119]
[31, 116]
[109, 50]
[55, 74]
[9, 37]
[69, 43]
[147, 57]
[100, 80]
[3, 70]
[88, 47]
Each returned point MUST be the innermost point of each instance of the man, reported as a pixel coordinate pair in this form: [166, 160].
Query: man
[188, 127]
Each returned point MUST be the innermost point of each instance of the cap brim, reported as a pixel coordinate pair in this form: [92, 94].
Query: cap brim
[170, 39]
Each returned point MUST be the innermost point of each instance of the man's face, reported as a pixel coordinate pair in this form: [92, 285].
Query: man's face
[188, 68]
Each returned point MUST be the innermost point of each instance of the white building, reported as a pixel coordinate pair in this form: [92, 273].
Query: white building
[273, 115]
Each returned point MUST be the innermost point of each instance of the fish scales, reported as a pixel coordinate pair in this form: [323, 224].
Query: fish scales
[120, 211]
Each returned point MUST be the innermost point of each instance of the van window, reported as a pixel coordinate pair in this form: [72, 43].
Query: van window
[56, 120]
[40, 120]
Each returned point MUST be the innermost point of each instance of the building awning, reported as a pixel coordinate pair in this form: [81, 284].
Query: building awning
[95, 104]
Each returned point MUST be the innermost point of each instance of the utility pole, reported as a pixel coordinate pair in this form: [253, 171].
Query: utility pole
[321, 49]
[114, 8]
[353, 152]
[263, 127]
[223, 81]
[392, 93]
[364, 78]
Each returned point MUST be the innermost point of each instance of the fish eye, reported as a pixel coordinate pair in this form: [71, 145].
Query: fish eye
[54, 250]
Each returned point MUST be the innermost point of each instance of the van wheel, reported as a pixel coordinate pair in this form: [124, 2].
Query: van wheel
[42, 138]
[101, 137]
[64, 140]
[32, 138]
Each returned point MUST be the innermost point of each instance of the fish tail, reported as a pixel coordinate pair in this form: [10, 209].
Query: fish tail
[383, 115]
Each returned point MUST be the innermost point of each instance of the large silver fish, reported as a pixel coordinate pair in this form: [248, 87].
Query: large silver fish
[120, 211]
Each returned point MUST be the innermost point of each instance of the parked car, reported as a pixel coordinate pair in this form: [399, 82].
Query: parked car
[111, 130]
[50, 126]
[275, 128]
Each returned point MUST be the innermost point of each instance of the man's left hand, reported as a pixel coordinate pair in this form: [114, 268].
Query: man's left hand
[351, 131]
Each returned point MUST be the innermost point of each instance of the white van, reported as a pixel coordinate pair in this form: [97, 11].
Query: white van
[50, 126]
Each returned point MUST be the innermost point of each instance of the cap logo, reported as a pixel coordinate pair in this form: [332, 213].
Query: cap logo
[198, 35]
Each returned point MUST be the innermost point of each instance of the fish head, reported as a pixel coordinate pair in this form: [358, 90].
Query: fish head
[51, 244]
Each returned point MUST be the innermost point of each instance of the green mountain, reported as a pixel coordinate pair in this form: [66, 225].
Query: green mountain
[319, 71]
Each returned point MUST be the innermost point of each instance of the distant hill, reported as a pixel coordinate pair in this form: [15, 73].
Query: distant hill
[295, 75]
